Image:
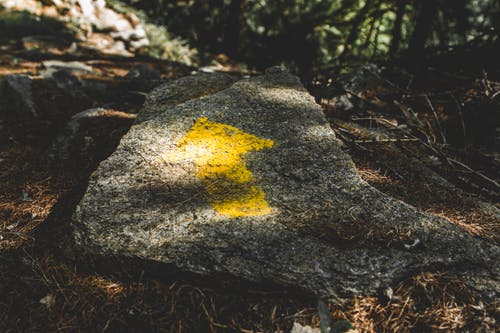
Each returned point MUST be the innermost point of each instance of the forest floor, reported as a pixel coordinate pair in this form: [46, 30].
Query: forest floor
[397, 147]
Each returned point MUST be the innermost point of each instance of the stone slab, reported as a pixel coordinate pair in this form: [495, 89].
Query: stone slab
[252, 182]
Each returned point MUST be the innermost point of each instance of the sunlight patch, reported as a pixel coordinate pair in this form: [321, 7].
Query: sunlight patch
[218, 152]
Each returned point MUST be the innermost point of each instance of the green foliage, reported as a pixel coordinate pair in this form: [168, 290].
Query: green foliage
[317, 34]
[163, 44]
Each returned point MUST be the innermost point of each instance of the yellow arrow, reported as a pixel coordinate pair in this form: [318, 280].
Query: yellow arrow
[218, 152]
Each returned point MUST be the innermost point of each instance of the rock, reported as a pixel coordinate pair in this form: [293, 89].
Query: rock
[43, 44]
[90, 136]
[141, 77]
[18, 109]
[55, 65]
[347, 92]
[108, 20]
[298, 328]
[20, 87]
[252, 183]
[182, 90]
[33, 110]
[359, 80]
[87, 7]
[69, 83]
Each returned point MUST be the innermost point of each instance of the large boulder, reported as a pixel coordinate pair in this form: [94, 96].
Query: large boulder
[252, 183]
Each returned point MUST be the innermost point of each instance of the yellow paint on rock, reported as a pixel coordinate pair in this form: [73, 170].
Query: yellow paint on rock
[218, 151]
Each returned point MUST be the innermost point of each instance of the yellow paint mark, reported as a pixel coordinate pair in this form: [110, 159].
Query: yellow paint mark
[218, 151]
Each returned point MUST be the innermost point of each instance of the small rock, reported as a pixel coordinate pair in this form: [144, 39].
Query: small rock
[135, 45]
[389, 293]
[26, 196]
[107, 20]
[35, 110]
[49, 301]
[143, 76]
[22, 93]
[298, 328]
[90, 136]
[70, 84]
[55, 65]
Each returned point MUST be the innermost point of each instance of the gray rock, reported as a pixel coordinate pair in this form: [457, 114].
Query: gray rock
[70, 84]
[141, 77]
[17, 106]
[56, 65]
[251, 182]
[33, 110]
[20, 87]
[182, 90]
[89, 137]
[347, 92]
[361, 79]
[142, 72]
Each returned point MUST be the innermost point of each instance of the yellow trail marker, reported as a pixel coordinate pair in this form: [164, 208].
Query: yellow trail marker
[218, 151]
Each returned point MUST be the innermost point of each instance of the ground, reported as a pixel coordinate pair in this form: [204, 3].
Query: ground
[41, 290]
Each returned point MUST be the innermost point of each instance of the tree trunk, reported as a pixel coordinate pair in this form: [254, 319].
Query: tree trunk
[233, 27]
[355, 28]
[422, 29]
[396, 30]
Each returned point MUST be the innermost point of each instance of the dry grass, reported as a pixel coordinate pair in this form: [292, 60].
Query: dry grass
[389, 170]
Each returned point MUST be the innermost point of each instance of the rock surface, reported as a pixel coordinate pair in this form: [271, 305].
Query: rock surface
[89, 137]
[141, 77]
[95, 18]
[34, 109]
[251, 182]
[182, 90]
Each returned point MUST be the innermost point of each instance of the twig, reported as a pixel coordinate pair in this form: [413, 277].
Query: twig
[387, 140]
[301, 313]
[494, 95]
[436, 117]
[459, 109]
[486, 84]
[474, 172]
[210, 319]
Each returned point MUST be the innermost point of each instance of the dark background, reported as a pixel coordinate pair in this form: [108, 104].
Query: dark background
[320, 38]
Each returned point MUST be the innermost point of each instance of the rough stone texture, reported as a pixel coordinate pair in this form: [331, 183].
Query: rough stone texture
[182, 90]
[89, 137]
[69, 83]
[327, 231]
[17, 106]
[34, 109]
[141, 77]
[22, 92]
